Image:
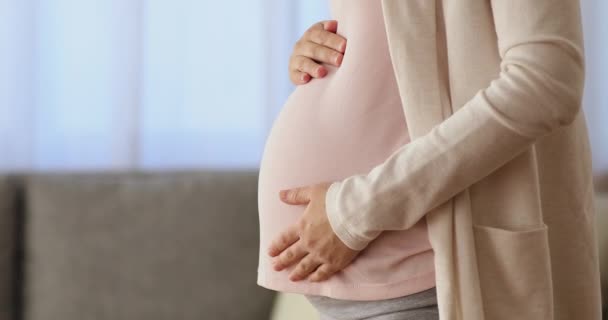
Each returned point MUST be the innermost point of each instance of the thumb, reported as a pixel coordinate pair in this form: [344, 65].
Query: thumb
[300, 195]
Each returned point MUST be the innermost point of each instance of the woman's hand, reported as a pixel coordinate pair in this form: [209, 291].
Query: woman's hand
[319, 44]
[311, 243]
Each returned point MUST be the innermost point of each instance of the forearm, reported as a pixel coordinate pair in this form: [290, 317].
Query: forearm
[538, 90]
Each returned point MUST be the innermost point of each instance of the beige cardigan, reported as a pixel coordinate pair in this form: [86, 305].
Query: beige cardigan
[499, 162]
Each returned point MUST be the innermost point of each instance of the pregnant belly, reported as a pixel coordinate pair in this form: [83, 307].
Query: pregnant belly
[325, 134]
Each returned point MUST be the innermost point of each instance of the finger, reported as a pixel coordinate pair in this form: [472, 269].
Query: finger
[299, 77]
[330, 25]
[284, 240]
[309, 66]
[326, 38]
[289, 256]
[299, 195]
[320, 53]
[323, 272]
[304, 268]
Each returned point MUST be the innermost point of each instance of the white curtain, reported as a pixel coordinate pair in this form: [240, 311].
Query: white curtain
[153, 84]
[121, 84]
[595, 18]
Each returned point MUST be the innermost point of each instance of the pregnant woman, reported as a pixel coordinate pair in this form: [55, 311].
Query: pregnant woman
[345, 123]
[419, 170]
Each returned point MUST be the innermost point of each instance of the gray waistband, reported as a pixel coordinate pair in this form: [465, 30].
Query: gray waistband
[351, 309]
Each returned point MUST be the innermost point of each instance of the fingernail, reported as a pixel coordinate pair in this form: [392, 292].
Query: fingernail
[339, 59]
[282, 194]
[318, 71]
[305, 77]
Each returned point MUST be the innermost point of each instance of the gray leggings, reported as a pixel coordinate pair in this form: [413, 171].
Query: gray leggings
[417, 306]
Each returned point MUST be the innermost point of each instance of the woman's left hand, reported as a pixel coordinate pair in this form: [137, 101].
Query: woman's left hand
[311, 242]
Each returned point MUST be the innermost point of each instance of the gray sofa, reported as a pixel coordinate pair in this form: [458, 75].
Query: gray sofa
[126, 246]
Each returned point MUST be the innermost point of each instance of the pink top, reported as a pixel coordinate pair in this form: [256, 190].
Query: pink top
[331, 128]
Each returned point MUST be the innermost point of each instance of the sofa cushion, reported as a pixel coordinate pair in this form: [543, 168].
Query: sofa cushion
[601, 203]
[144, 246]
[7, 248]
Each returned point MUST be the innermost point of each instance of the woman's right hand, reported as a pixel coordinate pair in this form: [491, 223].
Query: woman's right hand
[319, 44]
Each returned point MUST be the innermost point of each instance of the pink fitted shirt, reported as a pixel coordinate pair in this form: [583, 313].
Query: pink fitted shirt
[343, 124]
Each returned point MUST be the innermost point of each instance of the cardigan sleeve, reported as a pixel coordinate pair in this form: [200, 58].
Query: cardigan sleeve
[539, 89]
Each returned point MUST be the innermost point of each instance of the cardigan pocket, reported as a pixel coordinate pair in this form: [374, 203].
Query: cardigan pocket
[514, 269]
